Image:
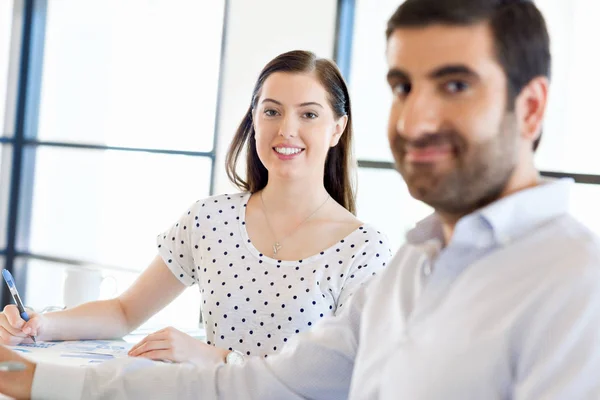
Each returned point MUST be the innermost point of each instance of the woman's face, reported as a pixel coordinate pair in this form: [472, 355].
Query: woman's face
[295, 126]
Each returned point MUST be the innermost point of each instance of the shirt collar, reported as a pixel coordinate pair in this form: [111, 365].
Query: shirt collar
[503, 220]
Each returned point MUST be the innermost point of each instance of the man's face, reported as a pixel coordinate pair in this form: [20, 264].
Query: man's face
[453, 140]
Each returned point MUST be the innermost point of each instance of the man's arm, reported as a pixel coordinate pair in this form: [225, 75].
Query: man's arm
[316, 364]
[559, 357]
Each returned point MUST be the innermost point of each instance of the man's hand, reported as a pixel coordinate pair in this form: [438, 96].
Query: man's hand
[169, 344]
[16, 384]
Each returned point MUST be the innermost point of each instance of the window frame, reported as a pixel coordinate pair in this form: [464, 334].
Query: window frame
[25, 74]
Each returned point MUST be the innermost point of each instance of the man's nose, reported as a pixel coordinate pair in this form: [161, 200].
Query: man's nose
[419, 115]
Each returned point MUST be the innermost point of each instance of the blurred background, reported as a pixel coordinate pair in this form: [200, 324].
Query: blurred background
[115, 116]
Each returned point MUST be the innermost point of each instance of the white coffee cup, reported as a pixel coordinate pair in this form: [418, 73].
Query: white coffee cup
[82, 285]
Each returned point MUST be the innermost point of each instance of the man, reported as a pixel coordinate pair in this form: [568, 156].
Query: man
[495, 296]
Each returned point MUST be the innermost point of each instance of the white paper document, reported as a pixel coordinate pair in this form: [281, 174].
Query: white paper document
[77, 352]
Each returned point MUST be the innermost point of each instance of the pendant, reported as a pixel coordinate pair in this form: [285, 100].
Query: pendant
[276, 248]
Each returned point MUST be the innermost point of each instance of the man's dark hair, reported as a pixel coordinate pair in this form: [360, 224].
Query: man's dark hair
[519, 30]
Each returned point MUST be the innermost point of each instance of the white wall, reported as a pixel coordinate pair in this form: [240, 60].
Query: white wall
[257, 31]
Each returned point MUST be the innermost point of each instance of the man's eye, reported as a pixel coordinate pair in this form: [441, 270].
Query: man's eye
[456, 86]
[401, 89]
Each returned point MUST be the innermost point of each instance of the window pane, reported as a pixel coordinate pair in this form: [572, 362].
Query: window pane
[139, 73]
[6, 17]
[384, 201]
[371, 97]
[109, 206]
[46, 285]
[571, 137]
[5, 170]
[585, 200]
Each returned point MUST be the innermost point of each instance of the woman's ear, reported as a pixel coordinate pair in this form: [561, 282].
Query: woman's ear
[340, 127]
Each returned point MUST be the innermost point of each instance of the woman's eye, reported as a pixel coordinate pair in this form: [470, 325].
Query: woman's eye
[270, 113]
[310, 115]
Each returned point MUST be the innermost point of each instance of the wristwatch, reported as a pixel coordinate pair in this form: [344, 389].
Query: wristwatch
[234, 357]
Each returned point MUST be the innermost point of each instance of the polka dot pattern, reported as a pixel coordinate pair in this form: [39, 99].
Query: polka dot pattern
[251, 302]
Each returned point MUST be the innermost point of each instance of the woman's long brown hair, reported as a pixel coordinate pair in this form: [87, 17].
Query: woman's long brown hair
[340, 166]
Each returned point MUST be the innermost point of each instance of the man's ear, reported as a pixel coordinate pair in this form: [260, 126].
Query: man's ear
[340, 127]
[530, 107]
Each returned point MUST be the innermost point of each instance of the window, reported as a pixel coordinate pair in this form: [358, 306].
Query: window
[5, 168]
[383, 200]
[570, 138]
[6, 19]
[371, 96]
[116, 138]
[110, 208]
[138, 73]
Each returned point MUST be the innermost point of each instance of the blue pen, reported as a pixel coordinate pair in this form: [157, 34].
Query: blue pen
[13, 290]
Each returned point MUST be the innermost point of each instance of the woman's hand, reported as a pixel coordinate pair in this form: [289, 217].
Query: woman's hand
[16, 384]
[169, 344]
[14, 330]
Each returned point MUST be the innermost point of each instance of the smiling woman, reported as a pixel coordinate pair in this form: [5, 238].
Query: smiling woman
[306, 84]
[269, 262]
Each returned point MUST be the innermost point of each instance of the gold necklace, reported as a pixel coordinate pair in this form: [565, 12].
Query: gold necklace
[277, 245]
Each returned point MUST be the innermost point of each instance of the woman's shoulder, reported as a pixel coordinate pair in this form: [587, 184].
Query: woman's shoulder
[220, 201]
[364, 230]
[373, 238]
[225, 198]
[371, 231]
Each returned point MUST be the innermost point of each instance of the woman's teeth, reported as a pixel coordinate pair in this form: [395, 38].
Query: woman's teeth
[287, 150]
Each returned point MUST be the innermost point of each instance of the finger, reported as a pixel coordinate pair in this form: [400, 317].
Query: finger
[150, 337]
[151, 346]
[158, 335]
[9, 339]
[141, 342]
[13, 316]
[159, 355]
[9, 328]
[32, 327]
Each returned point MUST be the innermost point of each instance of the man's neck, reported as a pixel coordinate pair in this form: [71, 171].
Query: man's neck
[518, 181]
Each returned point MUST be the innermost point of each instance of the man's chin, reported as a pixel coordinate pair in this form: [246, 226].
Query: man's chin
[420, 191]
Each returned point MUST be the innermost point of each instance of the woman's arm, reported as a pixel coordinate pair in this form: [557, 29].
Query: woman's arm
[153, 290]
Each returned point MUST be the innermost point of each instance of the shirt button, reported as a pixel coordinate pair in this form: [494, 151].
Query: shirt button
[427, 270]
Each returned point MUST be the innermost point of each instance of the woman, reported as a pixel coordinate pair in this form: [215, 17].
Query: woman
[270, 261]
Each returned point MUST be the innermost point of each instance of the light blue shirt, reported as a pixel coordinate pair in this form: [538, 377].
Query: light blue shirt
[509, 309]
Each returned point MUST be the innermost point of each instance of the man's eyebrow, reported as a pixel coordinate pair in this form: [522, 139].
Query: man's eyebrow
[397, 73]
[457, 69]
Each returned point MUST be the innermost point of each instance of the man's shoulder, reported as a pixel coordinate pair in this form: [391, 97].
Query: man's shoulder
[566, 246]
[570, 233]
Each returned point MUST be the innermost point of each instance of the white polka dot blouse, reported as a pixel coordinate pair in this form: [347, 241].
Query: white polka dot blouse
[251, 302]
